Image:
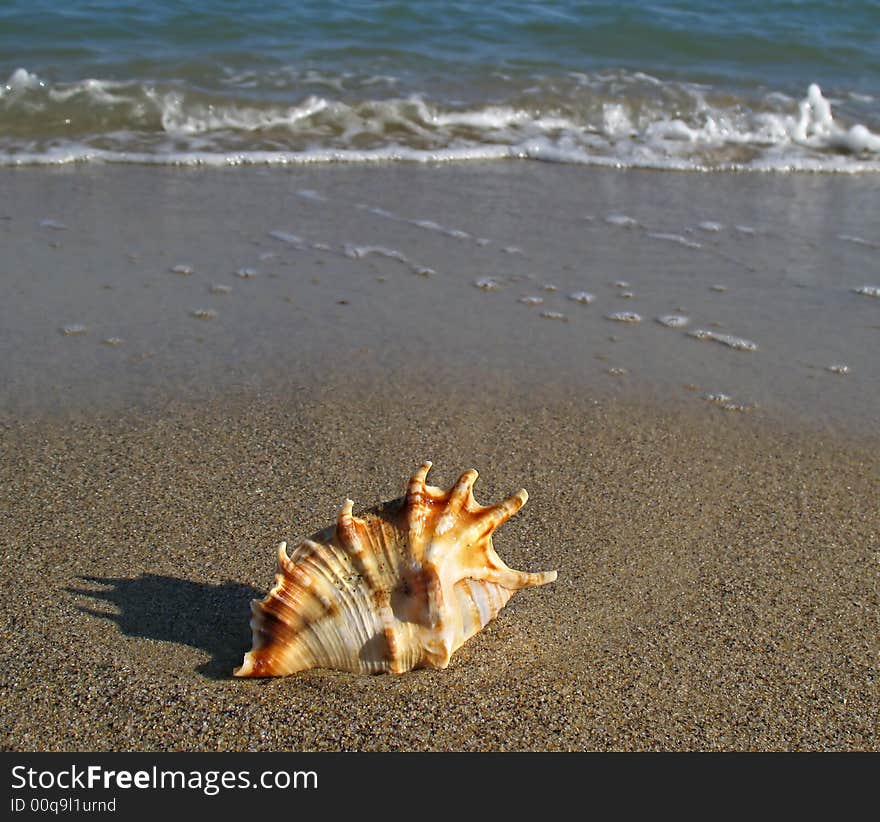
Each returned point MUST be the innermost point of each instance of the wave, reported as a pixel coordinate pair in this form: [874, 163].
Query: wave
[619, 119]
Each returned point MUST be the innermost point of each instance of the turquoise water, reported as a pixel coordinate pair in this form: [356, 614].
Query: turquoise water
[783, 86]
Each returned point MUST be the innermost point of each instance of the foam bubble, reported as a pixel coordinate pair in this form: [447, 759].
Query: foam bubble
[582, 297]
[868, 290]
[487, 284]
[554, 315]
[709, 225]
[858, 240]
[247, 273]
[673, 320]
[217, 288]
[182, 269]
[113, 341]
[204, 313]
[531, 300]
[838, 369]
[21, 79]
[72, 329]
[290, 239]
[624, 317]
[621, 220]
[727, 402]
[674, 238]
[53, 224]
[729, 340]
[309, 194]
[358, 252]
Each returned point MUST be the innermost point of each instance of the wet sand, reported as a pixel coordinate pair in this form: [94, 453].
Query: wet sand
[374, 269]
[719, 574]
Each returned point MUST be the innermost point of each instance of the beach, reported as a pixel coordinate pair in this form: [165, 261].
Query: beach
[200, 363]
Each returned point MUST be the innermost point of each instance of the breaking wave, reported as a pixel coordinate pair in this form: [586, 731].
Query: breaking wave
[619, 119]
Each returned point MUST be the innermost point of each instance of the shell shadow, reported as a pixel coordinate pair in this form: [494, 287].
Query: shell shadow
[212, 618]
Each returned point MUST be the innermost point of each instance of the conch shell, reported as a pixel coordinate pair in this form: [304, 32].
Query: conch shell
[402, 587]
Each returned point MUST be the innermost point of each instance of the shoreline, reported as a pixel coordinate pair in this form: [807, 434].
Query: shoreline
[127, 285]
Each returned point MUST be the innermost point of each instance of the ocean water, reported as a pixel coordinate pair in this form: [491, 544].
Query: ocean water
[691, 84]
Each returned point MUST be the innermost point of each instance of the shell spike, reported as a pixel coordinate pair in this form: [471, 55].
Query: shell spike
[462, 495]
[284, 563]
[497, 515]
[347, 508]
[514, 580]
[416, 485]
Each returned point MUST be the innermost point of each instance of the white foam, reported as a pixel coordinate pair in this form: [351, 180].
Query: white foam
[709, 225]
[19, 80]
[838, 368]
[621, 220]
[554, 315]
[430, 225]
[626, 121]
[72, 329]
[53, 224]
[624, 317]
[858, 240]
[868, 290]
[531, 300]
[729, 340]
[487, 284]
[309, 194]
[582, 297]
[358, 252]
[204, 313]
[247, 273]
[726, 402]
[674, 238]
[673, 320]
[182, 269]
[291, 239]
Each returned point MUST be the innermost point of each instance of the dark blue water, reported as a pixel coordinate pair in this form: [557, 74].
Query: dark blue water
[784, 85]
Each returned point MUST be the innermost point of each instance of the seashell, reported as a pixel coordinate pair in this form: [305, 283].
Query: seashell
[401, 587]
